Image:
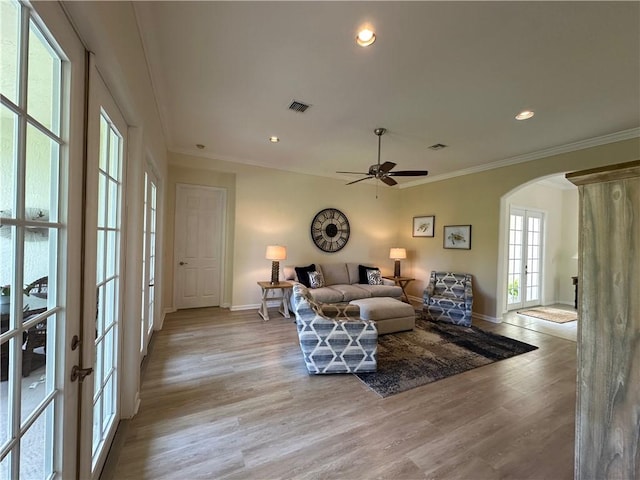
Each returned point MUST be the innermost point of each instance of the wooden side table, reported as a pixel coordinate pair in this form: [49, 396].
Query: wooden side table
[402, 282]
[284, 289]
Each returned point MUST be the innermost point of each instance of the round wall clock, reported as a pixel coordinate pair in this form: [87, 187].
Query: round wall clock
[330, 230]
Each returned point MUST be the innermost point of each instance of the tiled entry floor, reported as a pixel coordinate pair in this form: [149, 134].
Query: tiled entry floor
[568, 331]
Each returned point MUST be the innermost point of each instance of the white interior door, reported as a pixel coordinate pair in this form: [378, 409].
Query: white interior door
[106, 145]
[199, 234]
[524, 269]
[40, 163]
[149, 260]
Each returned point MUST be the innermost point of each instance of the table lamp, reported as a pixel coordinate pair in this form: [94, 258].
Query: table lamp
[275, 253]
[397, 254]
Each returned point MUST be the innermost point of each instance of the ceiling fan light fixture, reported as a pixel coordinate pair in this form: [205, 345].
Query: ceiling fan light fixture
[525, 115]
[365, 37]
[382, 171]
[438, 146]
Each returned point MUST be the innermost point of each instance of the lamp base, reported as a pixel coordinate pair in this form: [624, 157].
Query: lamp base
[275, 272]
[396, 269]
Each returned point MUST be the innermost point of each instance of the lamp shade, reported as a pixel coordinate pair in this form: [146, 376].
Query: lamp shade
[398, 253]
[276, 252]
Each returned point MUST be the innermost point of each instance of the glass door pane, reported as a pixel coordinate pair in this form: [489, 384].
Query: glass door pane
[514, 272]
[149, 261]
[33, 244]
[524, 265]
[107, 283]
[534, 257]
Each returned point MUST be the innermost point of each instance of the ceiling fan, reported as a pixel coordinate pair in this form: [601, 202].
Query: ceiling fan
[383, 171]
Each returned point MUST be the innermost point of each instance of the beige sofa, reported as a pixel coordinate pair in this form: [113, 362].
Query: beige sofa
[342, 284]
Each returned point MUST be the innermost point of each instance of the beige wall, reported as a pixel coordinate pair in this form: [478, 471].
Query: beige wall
[276, 207]
[476, 199]
[273, 206]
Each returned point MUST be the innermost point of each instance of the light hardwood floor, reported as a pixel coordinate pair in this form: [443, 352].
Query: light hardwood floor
[227, 395]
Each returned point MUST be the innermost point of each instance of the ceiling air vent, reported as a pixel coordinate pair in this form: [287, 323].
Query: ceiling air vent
[437, 146]
[297, 106]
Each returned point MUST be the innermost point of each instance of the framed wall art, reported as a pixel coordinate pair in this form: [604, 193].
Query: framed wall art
[457, 236]
[424, 226]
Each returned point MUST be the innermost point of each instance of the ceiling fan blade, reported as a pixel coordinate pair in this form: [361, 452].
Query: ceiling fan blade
[389, 181]
[359, 180]
[409, 173]
[356, 173]
[386, 166]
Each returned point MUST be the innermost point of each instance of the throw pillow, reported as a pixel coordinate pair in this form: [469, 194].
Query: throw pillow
[316, 280]
[303, 274]
[362, 273]
[374, 277]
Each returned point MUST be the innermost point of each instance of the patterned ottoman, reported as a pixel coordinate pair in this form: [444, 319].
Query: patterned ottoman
[390, 315]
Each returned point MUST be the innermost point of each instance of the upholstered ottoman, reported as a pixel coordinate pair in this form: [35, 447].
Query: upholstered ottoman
[390, 315]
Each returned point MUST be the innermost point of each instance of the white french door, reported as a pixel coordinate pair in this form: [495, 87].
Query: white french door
[524, 268]
[40, 238]
[106, 146]
[149, 260]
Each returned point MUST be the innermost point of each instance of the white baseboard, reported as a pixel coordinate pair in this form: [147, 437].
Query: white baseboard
[565, 302]
[162, 317]
[136, 404]
[486, 318]
[237, 308]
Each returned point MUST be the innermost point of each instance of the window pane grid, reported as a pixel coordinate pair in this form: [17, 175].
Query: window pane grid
[107, 280]
[30, 121]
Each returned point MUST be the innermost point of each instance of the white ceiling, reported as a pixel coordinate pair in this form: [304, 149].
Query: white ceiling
[454, 73]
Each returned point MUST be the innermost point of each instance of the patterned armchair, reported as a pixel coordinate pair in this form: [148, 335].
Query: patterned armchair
[333, 338]
[449, 298]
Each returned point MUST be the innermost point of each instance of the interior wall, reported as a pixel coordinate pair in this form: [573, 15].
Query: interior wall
[273, 206]
[476, 199]
[110, 31]
[570, 235]
[276, 207]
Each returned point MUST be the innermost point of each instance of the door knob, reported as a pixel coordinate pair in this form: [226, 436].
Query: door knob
[184, 263]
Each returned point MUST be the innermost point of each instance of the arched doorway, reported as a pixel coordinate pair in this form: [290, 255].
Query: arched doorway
[551, 201]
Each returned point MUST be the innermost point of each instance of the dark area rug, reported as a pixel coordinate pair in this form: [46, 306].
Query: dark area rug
[433, 351]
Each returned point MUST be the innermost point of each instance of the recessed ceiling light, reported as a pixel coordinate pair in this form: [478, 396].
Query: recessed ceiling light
[200, 146]
[274, 139]
[524, 115]
[365, 37]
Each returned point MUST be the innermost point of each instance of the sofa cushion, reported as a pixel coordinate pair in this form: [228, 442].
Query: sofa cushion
[362, 273]
[378, 309]
[326, 295]
[316, 280]
[382, 291]
[354, 273]
[351, 292]
[303, 274]
[335, 273]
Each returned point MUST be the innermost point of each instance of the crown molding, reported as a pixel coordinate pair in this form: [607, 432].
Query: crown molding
[547, 152]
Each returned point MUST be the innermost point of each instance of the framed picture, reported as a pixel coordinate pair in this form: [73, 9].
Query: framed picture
[424, 226]
[457, 236]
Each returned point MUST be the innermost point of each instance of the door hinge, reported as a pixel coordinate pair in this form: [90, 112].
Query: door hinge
[78, 373]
